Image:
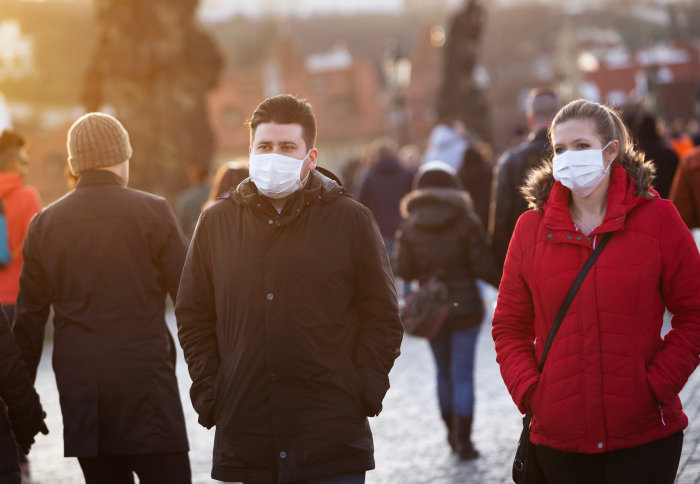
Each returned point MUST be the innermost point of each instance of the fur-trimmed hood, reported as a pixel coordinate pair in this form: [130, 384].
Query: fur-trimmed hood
[433, 208]
[541, 180]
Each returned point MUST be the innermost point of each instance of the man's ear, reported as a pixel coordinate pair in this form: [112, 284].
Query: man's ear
[313, 156]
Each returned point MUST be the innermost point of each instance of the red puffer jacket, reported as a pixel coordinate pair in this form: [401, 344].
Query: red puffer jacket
[610, 381]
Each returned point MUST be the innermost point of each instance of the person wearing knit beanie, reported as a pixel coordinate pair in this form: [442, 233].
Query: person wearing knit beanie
[97, 140]
[105, 257]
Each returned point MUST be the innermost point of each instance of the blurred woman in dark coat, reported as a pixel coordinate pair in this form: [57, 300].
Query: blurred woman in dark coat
[441, 233]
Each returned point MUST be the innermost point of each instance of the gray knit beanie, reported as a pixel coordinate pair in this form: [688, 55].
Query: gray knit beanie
[97, 140]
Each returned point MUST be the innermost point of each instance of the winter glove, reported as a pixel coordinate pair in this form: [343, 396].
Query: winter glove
[27, 425]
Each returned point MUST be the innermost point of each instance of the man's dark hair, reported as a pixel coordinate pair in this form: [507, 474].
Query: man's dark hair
[11, 142]
[286, 109]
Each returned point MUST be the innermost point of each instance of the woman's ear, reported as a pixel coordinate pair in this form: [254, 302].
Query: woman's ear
[612, 151]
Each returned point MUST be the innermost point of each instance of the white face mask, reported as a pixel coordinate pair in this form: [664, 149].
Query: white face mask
[580, 171]
[276, 176]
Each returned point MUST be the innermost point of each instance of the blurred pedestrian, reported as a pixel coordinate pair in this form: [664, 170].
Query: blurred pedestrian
[507, 201]
[447, 143]
[19, 203]
[105, 257]
[22, 416]
[680, 141]
[655, 150]
[685, 191]
[605, 408]
[386, 183]
[228, 176]
[441, 234]
[189, 202]
[475, 172]
[287, 315]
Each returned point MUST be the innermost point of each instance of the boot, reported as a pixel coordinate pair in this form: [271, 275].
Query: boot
[463, 430]
[451, 437]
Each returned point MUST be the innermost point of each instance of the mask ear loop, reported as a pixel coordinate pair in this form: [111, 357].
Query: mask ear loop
[607, 169]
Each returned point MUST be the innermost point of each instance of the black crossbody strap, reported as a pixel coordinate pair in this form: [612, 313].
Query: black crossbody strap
[570, 295]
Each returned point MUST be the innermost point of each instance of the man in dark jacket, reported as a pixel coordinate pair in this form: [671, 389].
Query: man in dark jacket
[387, 181]
[287, 315]
[507, 201]
[105, 257]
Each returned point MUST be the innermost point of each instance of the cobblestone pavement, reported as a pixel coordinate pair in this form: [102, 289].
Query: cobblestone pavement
[410, 445]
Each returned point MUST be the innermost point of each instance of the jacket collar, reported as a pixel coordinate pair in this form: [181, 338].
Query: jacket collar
[98, 177]
[622, 199]
[319, 188]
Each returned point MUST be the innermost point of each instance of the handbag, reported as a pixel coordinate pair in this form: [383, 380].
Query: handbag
[526, 469]
[427, 309]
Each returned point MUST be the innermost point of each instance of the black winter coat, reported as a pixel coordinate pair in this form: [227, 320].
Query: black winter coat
[289, 324]
[385, 184]
[20, 401]
[442, 232]
[476, 174]
[507, 199]
[105, 257]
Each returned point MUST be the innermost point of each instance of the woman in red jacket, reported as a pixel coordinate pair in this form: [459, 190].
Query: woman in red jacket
[605, 408]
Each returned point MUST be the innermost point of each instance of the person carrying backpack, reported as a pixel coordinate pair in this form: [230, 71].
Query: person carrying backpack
[19, 203]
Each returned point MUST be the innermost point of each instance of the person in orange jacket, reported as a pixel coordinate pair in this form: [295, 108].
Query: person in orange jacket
[20, 202]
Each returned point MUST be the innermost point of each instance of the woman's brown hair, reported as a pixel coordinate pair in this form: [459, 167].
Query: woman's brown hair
[608, 126]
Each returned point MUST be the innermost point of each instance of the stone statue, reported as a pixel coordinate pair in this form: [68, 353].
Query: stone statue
[460, 99]
[153, 66]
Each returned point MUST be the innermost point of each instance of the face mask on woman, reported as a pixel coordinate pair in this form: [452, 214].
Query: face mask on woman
[580, 171]
[276, 176]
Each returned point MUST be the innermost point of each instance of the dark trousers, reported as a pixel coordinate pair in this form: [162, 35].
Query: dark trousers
[172, 468]
[652, 463]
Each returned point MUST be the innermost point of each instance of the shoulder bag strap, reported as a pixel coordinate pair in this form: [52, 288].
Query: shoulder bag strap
[570, 295]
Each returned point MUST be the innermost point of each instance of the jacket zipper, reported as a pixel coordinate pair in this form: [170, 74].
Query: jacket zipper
[661, 410]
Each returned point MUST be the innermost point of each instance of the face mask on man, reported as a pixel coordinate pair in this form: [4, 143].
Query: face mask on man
[580, 171]
[276, 176]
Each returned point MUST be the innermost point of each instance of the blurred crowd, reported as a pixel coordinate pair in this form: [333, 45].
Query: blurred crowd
[446, 209]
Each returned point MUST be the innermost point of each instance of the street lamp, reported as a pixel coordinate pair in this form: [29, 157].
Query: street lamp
[397, 74]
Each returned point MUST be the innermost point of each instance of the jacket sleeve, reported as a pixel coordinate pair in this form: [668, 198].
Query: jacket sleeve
[673, 364]
[33, 301]
[16, 390]
[682, 195]
[196, 324]
[513, 327]
[172, 251]
[380, 329]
